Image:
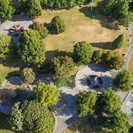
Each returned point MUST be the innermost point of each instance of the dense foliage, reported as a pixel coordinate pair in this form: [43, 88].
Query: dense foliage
[98, 56]
[118, 123]
[113, 60]
[124, 80]
[32, 48]
[118, 42]
[82, 52]
[28, 75]
[6, 9]
[58, 25]
[61, 67]
[40, 28]
[109, 102]
[60, 4]
[6, 44]
[31, 7]
[16, 118]
[46, 94]
[86, 103]
[118, 10]
[36, 118]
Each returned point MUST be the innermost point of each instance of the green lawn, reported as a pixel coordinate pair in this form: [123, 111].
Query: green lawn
[83, 24]
[91, 125]
[10, 67]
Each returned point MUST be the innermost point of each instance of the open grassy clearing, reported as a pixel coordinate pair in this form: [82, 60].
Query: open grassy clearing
[83, 24]
[10, 67]
[131, 64]
[91, 125]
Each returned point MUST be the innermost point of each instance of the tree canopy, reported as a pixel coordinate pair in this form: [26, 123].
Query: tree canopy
[58, 25]
[117, 123]
[124, 80]
[6, 44]
[6, 9]
[118, 42]
[109, 101]
[28, 75]
[61, 67]
[16, 118]
[46, 94]
[32, 48]
[40, 28]
[32, 116]
[31, 7]
[118, 10]
[82, 52]
[86, 103]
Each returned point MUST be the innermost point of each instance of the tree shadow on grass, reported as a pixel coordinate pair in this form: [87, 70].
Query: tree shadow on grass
[54, 53]
[103, 45]
[96, 13]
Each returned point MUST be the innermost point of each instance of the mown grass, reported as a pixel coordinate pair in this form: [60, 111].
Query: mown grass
[83, 24]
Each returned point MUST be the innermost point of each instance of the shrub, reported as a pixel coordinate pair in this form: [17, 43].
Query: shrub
[82, 52]
[40, 28]
[58, 25]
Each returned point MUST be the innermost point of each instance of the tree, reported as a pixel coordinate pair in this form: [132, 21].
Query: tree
[32, 49]
[28, 75]
[46, 94]
[6, 44]
[119, 41]
[82, 52]
[109, 102]
[118, 123]
[113, 60]
[61, 67]
[124, 80]
[1, 81]
[37, 118]
[58, 25]
[118, 10]
[16, 118]
[97, 56]
[6, 9]
[32, 8]
[86, 103]
[40, 28]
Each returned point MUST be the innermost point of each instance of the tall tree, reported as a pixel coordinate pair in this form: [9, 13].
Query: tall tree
[61, 67]
[31, 7]
[6, 9]
[86, 103]
[16, 118]
[58, 25]
[82, 52]
[32, 48]
[109, 102]
[117, 123]
[46, 94]
[118, 42]
[124, 80]
[117, 9]
[28, 75]
[6, 44]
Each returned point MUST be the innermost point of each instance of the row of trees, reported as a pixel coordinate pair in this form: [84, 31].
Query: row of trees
[108, 102]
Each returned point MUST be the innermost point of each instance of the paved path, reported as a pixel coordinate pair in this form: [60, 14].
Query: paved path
[130, 49]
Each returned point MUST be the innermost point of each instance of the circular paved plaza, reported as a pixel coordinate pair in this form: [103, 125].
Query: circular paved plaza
[95, 71]
[66, 107]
